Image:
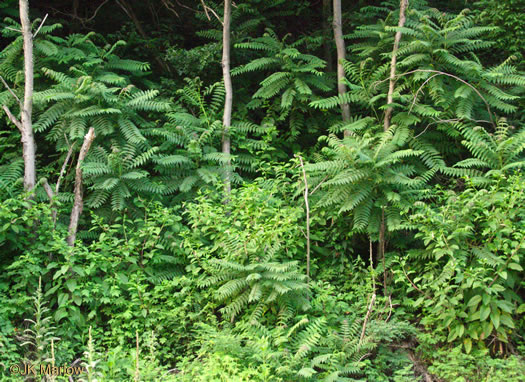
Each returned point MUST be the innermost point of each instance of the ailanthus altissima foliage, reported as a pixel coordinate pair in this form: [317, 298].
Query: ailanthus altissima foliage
[382, 246]
[296, 78]
[501, 152]
[190, 154]
[441, 85]
[364, 174]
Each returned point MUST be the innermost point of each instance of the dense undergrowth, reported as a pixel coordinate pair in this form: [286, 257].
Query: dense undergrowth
[374, 255]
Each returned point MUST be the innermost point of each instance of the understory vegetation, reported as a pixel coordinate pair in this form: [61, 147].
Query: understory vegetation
[304, 216]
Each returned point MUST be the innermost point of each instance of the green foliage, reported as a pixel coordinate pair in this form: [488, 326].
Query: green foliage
[435, 46]
[332, 355]
[323, 345]
[172, 280]
[90, 86]
[97, 92]
[117, 176]
[262, 282]
[505, 15]
[471, 265]
[118, 364]
[230, 355]
[391, 365]
[11, 165]
[286, 93]
[364, 174]
[500, 152]
[454, 365]
[129, 271]
[441, 85]
[95, 89]
[245, 257]
[11, 65]
[190, 157]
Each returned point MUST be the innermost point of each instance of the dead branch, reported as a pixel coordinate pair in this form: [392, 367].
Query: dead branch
[13, 29]
[96, 11]
[47, 188]
[40, 26]
[170, 7]
[411, 282]
[440, 73]
[78, 203]
[443, 74]
[63, 170]
[13, 119]
[419, 367]
[307, 205]
[372, 267]
[12, 92]
[319, 185]
[208, 9]
[75, 16]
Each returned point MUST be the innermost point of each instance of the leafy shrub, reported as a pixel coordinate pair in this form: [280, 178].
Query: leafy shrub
[474, 257]
[128, 278]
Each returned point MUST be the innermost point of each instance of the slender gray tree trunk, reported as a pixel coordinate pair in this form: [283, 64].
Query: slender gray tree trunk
[341, 55]
[24, 124]
[397, 39]
[226, 142]
[28, 139]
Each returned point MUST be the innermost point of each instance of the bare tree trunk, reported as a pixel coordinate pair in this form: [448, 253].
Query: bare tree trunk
[226, 142]
[390, 96]
[341, 55]
[327, 12]
[78, 203]
[25, 125]
[28, 139]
